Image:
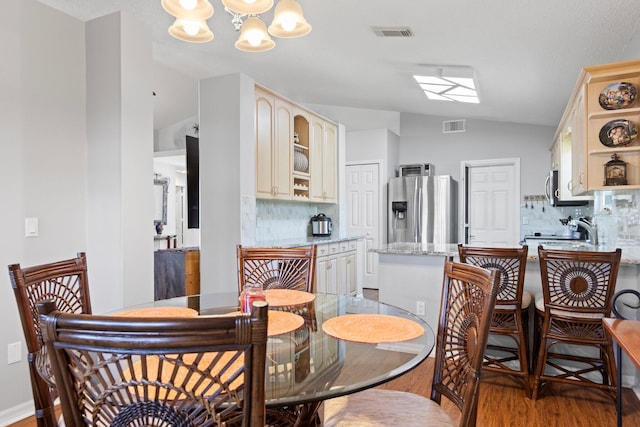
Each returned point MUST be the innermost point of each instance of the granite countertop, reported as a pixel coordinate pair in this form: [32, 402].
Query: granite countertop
[308, 241]
[410, 248]
[630, 254]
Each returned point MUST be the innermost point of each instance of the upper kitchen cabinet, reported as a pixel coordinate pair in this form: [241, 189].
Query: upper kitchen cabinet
[274, 133]
[301, 154]
[607, 117]
[324, 158]
[296, 152]
[567, 153]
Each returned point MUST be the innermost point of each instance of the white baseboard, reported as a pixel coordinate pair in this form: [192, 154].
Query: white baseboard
[16, 413]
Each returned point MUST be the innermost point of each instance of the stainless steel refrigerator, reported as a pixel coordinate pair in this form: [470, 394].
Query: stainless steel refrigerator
[423, 209]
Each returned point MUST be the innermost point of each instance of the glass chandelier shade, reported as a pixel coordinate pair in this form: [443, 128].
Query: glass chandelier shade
[248, 7]
[288, 20]
[194, 31]
[254, 36]
[189, 9]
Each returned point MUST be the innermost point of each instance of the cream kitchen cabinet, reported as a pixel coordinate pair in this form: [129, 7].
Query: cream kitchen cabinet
[274, 136]
[324, 157]
[296, 151]
[336, 268]
[591, 124]
[567, 155]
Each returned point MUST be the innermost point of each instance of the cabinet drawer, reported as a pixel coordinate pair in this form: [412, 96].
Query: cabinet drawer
[322, 250]
[334, 248]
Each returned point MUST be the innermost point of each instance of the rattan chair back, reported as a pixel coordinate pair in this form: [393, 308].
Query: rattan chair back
[468, 300]
[510, 318]
[577, 288]
[277, 268]
[125, 371]
[64, 282]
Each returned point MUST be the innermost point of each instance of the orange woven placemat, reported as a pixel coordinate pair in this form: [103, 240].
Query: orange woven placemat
[164, 311]
[280, 322]
[286, 297]
[372, 328]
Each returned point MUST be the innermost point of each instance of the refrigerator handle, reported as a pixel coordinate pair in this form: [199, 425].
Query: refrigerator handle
[417, 211]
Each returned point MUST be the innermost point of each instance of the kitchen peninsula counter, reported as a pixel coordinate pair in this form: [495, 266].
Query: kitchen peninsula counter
[630, 254]
[411, 273]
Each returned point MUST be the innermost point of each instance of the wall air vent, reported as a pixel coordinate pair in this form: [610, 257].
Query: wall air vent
[392, 31]
[453, 126]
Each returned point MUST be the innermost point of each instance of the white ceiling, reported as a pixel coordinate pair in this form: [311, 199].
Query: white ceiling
[527, 54]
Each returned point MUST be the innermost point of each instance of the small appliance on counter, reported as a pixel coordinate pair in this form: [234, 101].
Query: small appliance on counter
[321, 225]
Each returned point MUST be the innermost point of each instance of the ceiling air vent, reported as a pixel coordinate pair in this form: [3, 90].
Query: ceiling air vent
[452, 126]
[392, 31]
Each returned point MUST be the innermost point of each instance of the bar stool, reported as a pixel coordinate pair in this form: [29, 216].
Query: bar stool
[511, 314]
[577, 288]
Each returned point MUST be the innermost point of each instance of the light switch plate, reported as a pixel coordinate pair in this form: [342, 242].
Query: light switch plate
[31, 227]
[14, 353]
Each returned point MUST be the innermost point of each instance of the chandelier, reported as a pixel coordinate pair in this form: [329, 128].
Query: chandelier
[191, 21]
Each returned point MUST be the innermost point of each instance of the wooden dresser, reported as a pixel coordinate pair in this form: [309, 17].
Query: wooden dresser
[176, 272]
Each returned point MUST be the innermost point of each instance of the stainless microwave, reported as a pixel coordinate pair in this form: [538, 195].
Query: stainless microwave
[552, 191]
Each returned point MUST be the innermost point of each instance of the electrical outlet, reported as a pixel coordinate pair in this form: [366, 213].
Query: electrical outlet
[14, 353]
[420, 309]
[525, 220]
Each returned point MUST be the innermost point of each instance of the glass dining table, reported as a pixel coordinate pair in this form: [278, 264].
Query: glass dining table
[307, 365]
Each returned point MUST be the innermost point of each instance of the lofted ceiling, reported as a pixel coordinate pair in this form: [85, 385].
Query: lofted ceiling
[526, 54]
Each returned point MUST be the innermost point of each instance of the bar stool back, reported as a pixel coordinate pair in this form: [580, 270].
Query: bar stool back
[511, 314]
[577, 287]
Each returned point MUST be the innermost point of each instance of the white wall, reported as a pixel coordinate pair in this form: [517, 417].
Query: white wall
[51, 172]
[120, 159]
[422, 141]
[357, 119]
[227, 177]
[42, 161]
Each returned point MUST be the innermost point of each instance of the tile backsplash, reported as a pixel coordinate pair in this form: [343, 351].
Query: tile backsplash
[285, 220]
[540, 217]
[616, 214]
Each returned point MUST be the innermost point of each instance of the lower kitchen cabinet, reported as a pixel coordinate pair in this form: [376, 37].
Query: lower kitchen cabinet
[336, 268]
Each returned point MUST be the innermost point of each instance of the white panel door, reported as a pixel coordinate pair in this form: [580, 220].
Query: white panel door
[492, 201]
[363, 213]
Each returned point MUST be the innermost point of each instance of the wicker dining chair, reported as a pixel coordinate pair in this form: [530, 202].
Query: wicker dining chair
[281, 268]
[277, 268]
[468, 299]
[66, 283]
[149, 371]
[577, 288]
[511, 313]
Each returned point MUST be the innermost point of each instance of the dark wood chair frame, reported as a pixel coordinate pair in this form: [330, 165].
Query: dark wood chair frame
[281, 268]
[180, 381]
[468, 293]
[510, 319]
[277, 268]
[577, 287]
[66, 283]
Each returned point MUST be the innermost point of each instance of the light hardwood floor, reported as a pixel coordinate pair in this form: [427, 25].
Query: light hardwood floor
[502, 403]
